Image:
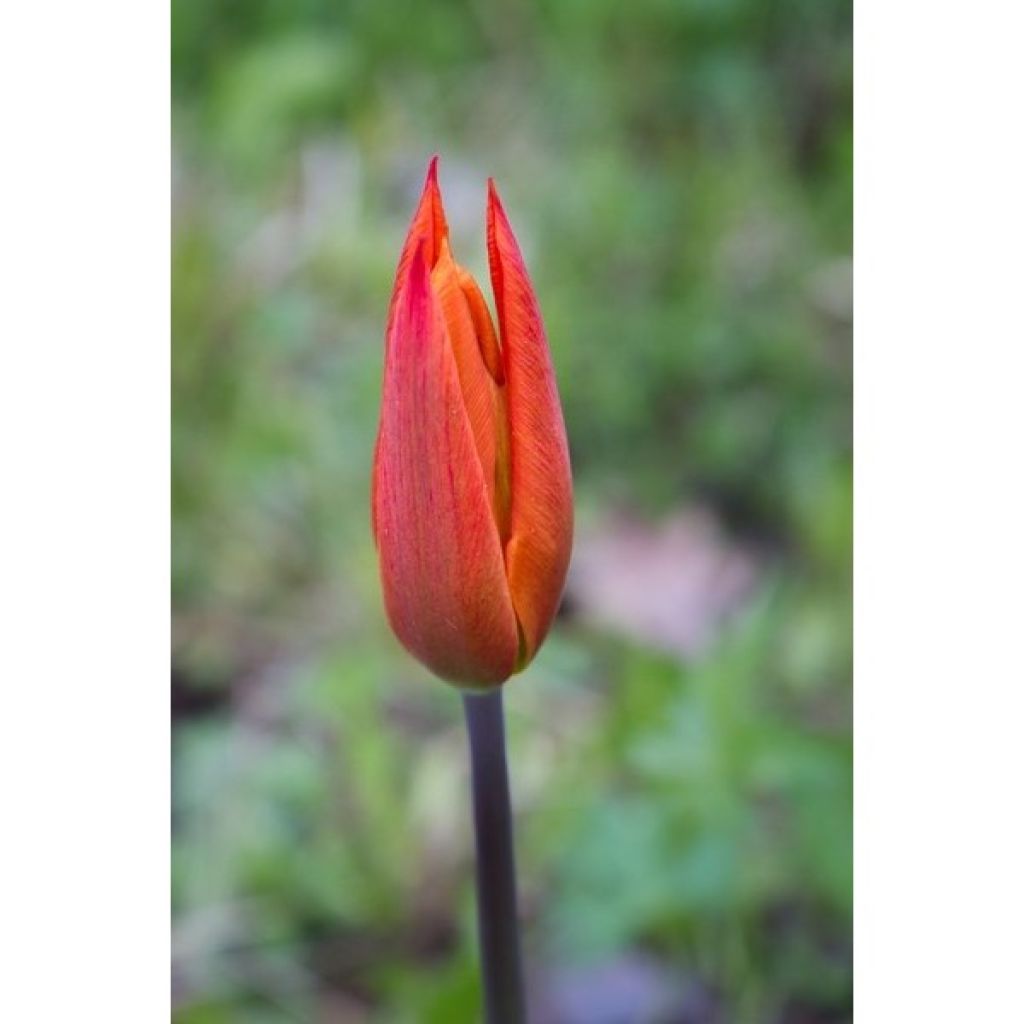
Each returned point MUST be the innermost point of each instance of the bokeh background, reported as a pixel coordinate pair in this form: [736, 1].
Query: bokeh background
[679, 173]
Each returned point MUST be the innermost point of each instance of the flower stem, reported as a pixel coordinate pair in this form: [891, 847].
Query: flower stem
[495, 867]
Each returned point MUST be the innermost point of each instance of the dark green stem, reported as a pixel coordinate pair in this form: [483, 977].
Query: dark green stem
[495, 860]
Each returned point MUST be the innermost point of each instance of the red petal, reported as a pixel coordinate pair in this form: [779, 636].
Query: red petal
[540, 535]
[440, 555]
[428, 227]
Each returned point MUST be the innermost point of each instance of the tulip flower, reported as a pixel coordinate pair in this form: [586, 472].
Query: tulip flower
[472, 492]
[472, 516]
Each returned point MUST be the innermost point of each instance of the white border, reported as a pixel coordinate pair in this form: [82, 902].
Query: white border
[939, 851]
[84, 564]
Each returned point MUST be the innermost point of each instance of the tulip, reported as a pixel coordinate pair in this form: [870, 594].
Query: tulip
[472, 491]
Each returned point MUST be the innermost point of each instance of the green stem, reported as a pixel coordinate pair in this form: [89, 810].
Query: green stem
[495, 860]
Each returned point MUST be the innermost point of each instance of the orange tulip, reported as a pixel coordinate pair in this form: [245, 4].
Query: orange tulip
[472, 491]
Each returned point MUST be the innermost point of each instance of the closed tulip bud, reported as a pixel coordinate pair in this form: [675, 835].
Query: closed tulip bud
[472, 491]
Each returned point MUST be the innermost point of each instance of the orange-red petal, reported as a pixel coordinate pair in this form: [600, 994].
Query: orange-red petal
[541, 522]
[440, 554]
[429, 228]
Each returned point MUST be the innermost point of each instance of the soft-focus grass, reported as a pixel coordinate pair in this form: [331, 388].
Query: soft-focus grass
[679, 174]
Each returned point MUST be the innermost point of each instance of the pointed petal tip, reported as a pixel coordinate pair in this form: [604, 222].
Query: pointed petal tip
[428, 222]
[499, 228]
[431, 185]
[494, 204]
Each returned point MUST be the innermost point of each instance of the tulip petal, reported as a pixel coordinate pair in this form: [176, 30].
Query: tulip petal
[540, 529]
[441, 561]
[428, 227]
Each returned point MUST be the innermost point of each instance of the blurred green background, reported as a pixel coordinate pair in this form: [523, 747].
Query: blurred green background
[679, 174]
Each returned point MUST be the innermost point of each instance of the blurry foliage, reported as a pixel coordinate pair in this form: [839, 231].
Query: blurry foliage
[679, 172]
